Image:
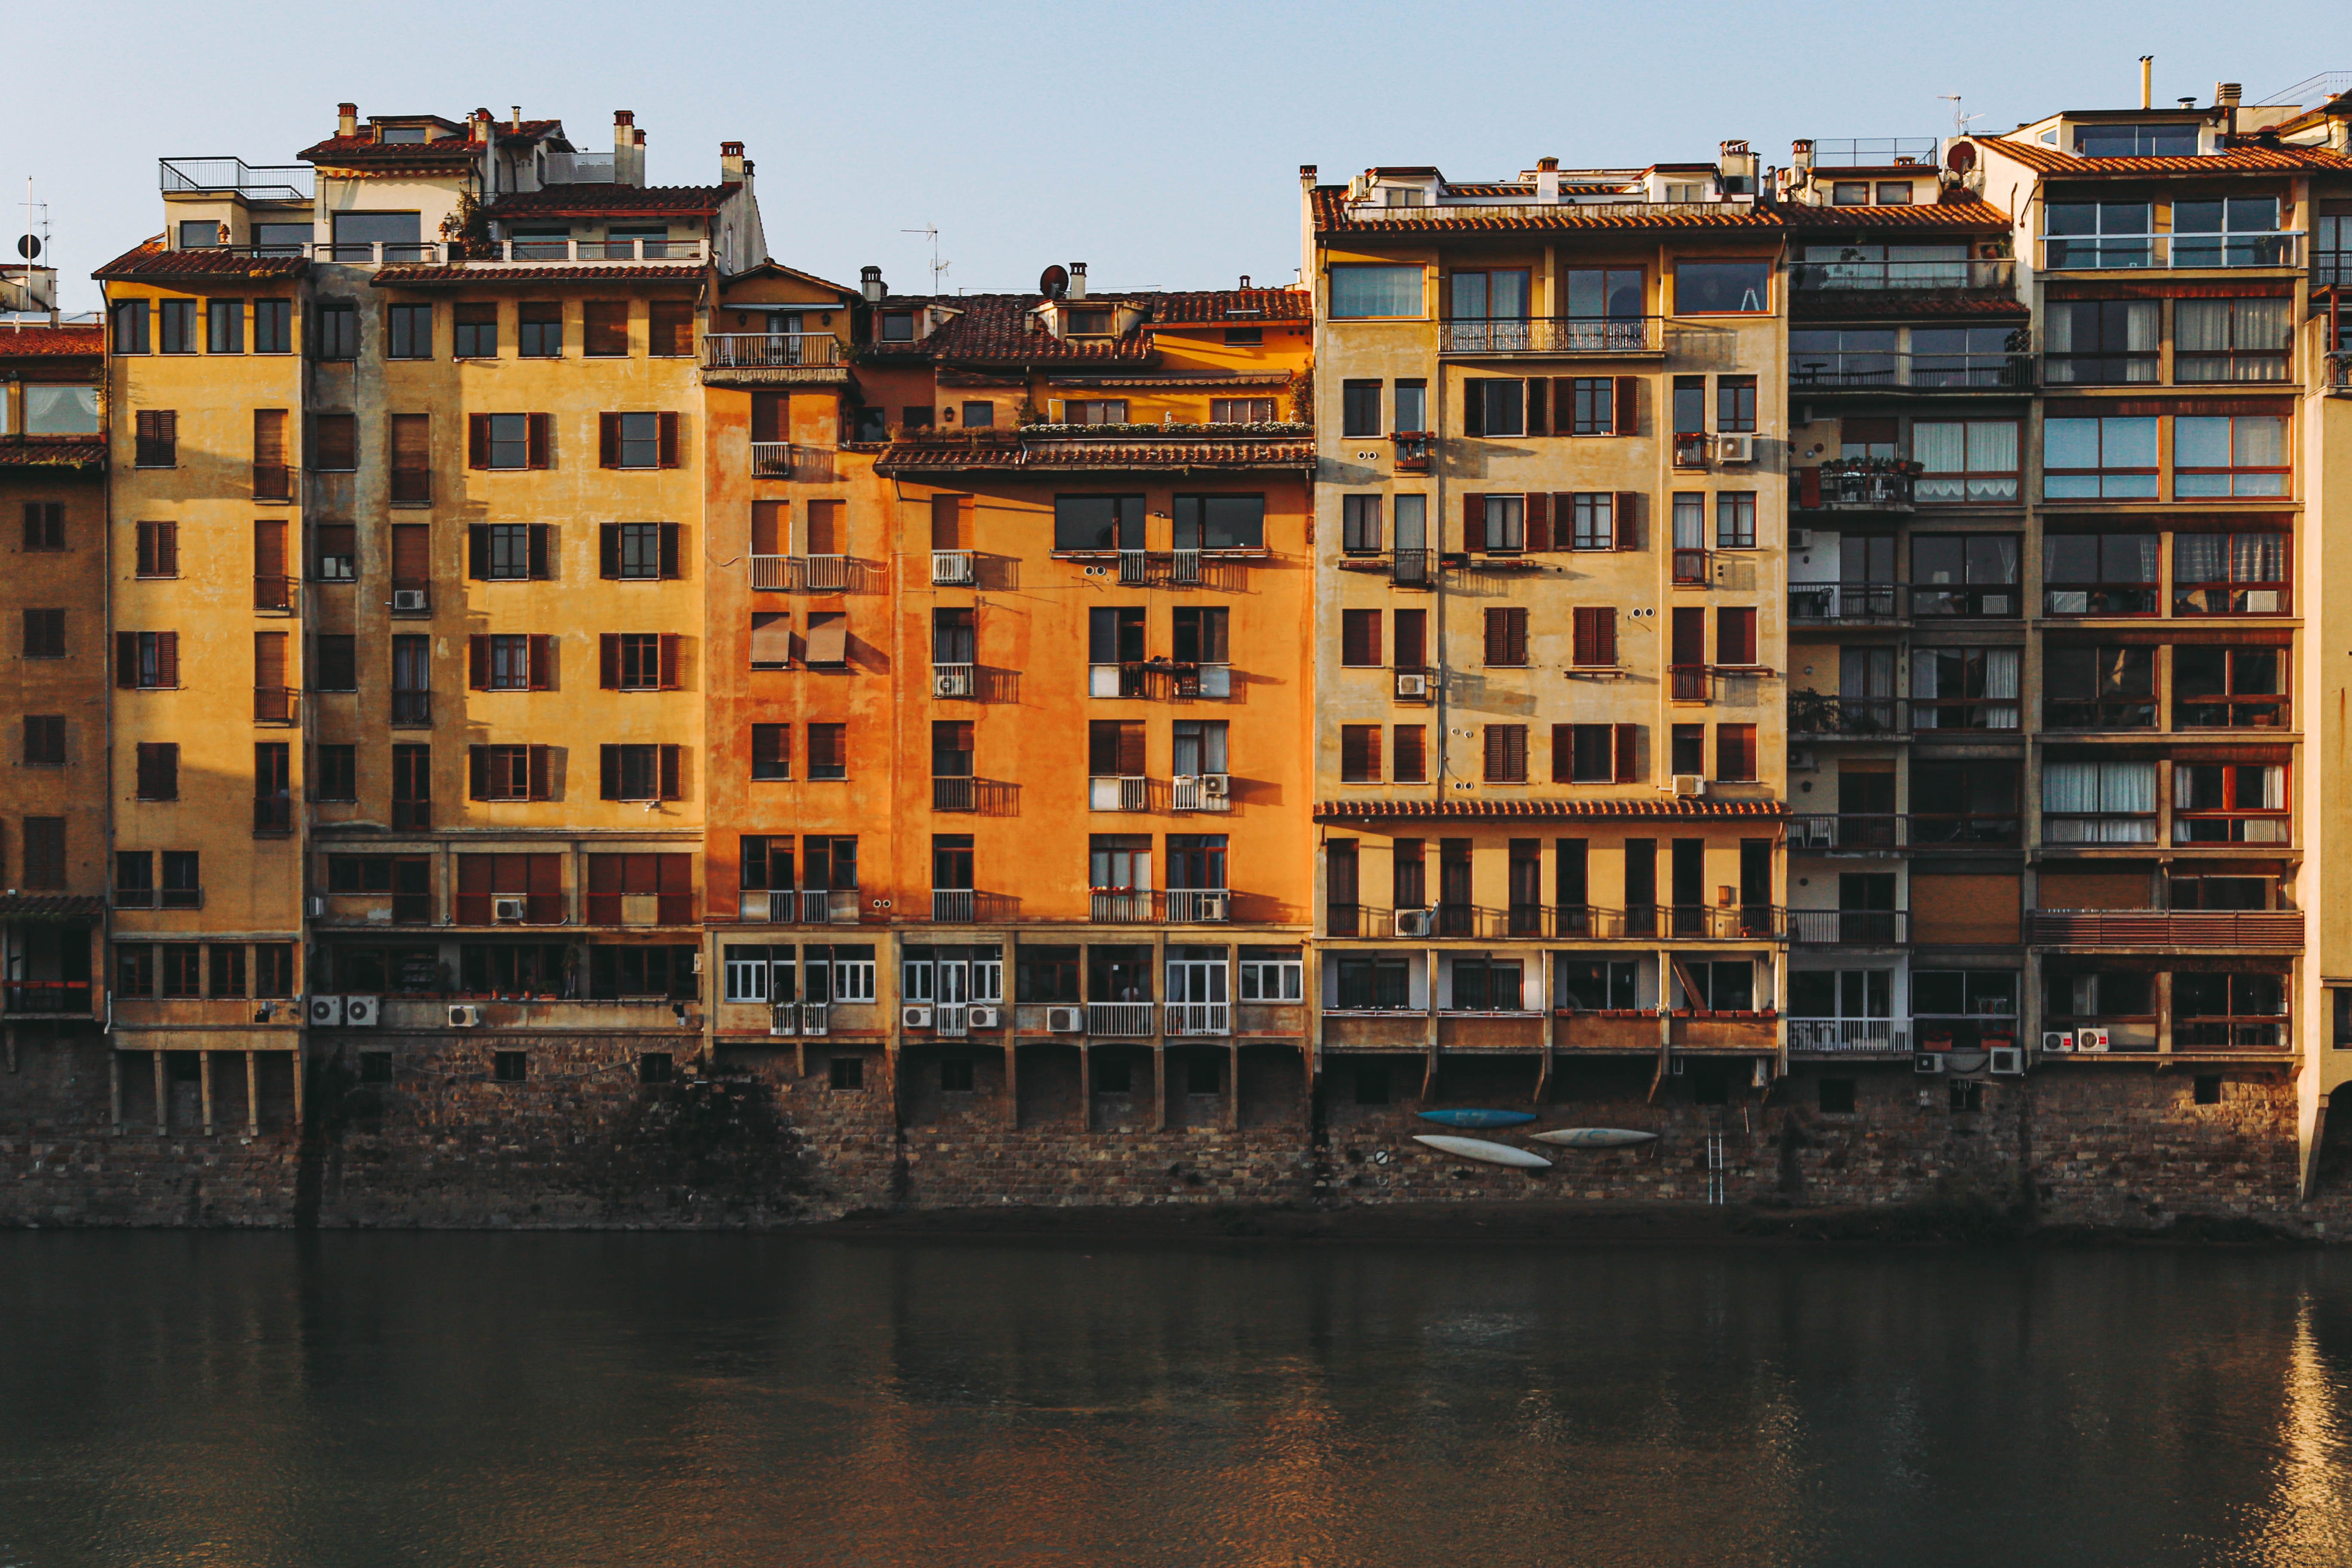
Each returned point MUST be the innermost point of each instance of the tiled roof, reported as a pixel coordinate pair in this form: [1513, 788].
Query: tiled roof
[1331, 206]
[1376, 809]
[1901, 304]
[2249, 160]
[1490, 190]
[52, 906]
[998, 329]
[1063, 456]
[1921, 214]
[30, 341]
[1217, 307]
[494, 274]
[157, 261]
[52, 451]
[597, 200]
[1173, 381]
[366, 152]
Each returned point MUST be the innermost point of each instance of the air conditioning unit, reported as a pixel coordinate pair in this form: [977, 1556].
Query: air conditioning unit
[1065, 1020]
[952, 682]
[2090, 1039]
[1803, 760]
[1215, 786]
[509, 911]
[1412, 686]
[2059, 1041]
[2008, 1061]
[1927, 1063]
[362, 1012]
[325, 1012]
[1800, 539]
[1734, 448]
[1690, 784]
[985, 1019]
[462, 1017]
[914, 1017]
[318, 906]
[951, 568]
[1415, 922]
[408, 599]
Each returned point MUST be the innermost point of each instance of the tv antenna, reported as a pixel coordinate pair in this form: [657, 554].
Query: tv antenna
[939, 267]
[1960, 121]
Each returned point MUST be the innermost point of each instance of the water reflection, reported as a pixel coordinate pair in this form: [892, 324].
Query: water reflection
[719, 1401]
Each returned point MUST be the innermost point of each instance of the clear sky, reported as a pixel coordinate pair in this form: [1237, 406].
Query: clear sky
[1160, 143]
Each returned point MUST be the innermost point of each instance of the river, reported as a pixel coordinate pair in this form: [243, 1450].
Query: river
[347, 1401]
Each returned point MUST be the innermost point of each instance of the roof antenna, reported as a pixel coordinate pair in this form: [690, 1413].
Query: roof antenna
[939, 267]
[1960, 121]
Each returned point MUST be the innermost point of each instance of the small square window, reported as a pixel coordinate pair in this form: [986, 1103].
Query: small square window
[376, 1067]
[846, 1072]
[2207, 1089]
[510, 1066]
[656, 1066]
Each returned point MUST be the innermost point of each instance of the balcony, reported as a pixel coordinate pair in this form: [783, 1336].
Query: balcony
[2141, 252]
[951, 793]
[1207, 792]
[2231, 1032]
[1118, 906]
[53, 998]
[1849, 603]
[235, 176]
[952, 906]
[1690, 448]
[1129, 1018]
[1121, 793]
[953, 568]
[2191, 928]
[1849, 1037]
[1708, 922]
[1199, 906]
[1850, 927]
[1829, 487]
[273, 482]
[782, 906]
[1886, 371]
[1412, 568]
[1997, 275]
[814, 573]
[1558, 336]
[1816, 714]
[412, 709]
[951, 680]
[276, 705]
[2339, 366]
[1196, 1018]
[1866, 833]
[1977, 602]
[769, 359]
[273, 815]
[1690, 568]
[274, 595]
[1415, 451]
[1688, 682]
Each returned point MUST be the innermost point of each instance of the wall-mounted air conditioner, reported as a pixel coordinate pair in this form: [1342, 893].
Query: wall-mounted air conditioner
[1928, 1062]
[2058, 1040]
[325, 1013]
[2090, 1039]
[509, 911]
[1412, 686]
[362, 1012]
[408, 599]
[1415, 922]
[465, 1017]
[2008, 1061]
[1690, 784]
[984, 1019]
[1215, 786]
[1734, 448]
[1800, 539]
[1065, 1020]
[914, 1017]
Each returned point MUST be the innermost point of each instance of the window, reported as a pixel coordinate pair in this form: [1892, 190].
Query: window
[2231, 573]
[536, 880]
[1118, 863]
[1609, 294]
[1734, 636]
[2234, 231]
[510, 662]
[759, 974]
[412, 787]
[1507, 753]
[1359, 754]
[2176, 140]
[334, 443]
[828, 751]
[2229, 802]
[951, 765]
[1089, 323]
[1850, 194]
[1199, 747]
[159, 771]
[477, 331]
[2233, 455]
[45, 741]
[1360, 408]
[1895, 193]
[175, 326]
[640, 552]
[771, 751]
[1690, 405]
[1095, 411]
[1969, 574]
[2229, 688]
[508, 440]
[1735, 753]
[1086, 523]
[334, 662]
[1357, 292]
[828, 639]
[637, 440]
[509, 551]
[1965, 459]
[664, 973]
[1722, 287]
[637, 661]
[2098, 803]
[1360, 638]
[334, 773]
[334, 551]
[1592, 406]
[979, 415]
[1409, 762]
[639, 773]
[538, 330]
[1507, 637]
[59, 410]
[1595, 985]
[1244, 411]
[182, 969]
[224, 326]
[1593, 753]
[182, 887]
[1965, 688]
[273, 324]
[1115, 748]
[1503, 524]
[1486, 984]
[1722, 986]
[158, 550]
[2096, 234]
[335, 331]
[2099, 573]
[1412, 406]
[2101, 342]
[1495, 296]
[1735, 403]
[1593, 520]
[1687, 749]
[129, 317]
[2099, 687]
[1220, 523]
[1046, 974]
[1271, 974]
[1596, 635]
[1411, 639]
[156, 439]
[1359, 524]
[408, 331]
[1734, 520]
[1371, 983]
[2230, 340]
[44, 525]
[1494, 407]
[510, 1067]
[604, 328]
[1196, 860]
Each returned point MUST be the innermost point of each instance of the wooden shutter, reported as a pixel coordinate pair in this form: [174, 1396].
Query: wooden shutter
[608, 550]
[1808, 489]
[1623, 418]
[1538, 401]
[1625, 515]
[769, 414]
[268, 548]
[1130, 749]
[670, 759]
[1474, 406]
[669, 678]
[539, 653]
[477, 551]
[412, 552]
[1968, 909]
[1496, 638]
[671, 546]
[1563, 753]
[126, 660]
[477, 663]
[1538, 506]
[608, 663]
[1596, 635]
[542, 787]
[668, 424]
[1734, 636]
[477, 787]
[608, 760]
[947, 523]
[1627, 745]
[477, 441]
[608, 440]
[769, 526]
[167, 658]
[539, 429]
[828, 637]
[542, 551]
[1473, 522]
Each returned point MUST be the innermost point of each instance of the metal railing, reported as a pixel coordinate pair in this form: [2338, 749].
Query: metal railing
[274, 593]
[1827, 489]
[952, 679]
[1687, 682]
[1848, 602]
[1873, 152]
[1868, 371]
[1204, 793]
[46, 995]
[829, 906]
[1850, 927]
[1809, 275]
[1134, 566]
[1415, 450]
[412, 708]
[1982, 602]
[552, 248]
[1199, 906]
[772, 459]
[1554, 335]
[2100, 598]
[255, 182]
[1118, 794]
[772, 351]
[951, 1020]
[1819, 713]
[273, 482]
[2165, 928]
[1690, 568]
[951, 568]
[952, 906]
[951, 793]
[1848, 830]
[273, 814]
[1197, 1017]
[1204, 680]
[2076, 252]
[1690, 448]
[1849, 1037]
[1714, 922]
[2231, 1032]
[276, 704]
[1118, 1018]
[825, 573]
[1412, 568]
[2339, 365]
[1118, 907]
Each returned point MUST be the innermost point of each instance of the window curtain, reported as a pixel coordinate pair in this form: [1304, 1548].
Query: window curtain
[2203, 557]
[2001, 667]
[2263, 326]
[1992, 446]
[2201, 326]
[2128, 558]
[2260, 440]
[2253, 557]
[1939, 446]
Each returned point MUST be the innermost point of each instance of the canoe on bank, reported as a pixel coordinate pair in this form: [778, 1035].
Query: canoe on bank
[1478, 1117]
[1487, 1152]
[1594, 1137]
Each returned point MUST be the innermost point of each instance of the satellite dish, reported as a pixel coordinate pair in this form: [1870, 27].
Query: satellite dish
[1053, 282]
[1961, 158]
[29, 246]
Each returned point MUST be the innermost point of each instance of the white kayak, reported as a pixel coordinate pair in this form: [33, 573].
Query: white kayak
[1594, 1137]
[1486, 1150]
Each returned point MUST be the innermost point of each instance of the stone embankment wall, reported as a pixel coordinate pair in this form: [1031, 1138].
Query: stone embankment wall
[776, 1137]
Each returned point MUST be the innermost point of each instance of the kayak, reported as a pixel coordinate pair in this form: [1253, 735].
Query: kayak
[1594, 1137]
[1487, 1152]
[1478, 1117]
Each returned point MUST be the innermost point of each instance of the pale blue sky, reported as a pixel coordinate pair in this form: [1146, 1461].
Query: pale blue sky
[1160, 143]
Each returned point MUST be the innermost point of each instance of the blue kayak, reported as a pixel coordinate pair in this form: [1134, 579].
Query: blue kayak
[1478, 1117]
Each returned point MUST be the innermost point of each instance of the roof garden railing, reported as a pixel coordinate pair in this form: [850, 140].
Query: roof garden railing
[255, 182]
[1873, 152]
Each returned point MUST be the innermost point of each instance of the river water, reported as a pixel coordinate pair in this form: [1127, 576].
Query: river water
[317, 1401]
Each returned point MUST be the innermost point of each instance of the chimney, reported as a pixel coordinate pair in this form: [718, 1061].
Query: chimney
[480, 122]
[2226, 95]
[516, 123]
[1246, 281]
[346, 120]
[869, 283]
[2148, 82]
[1077, 279]
[1307, 176]
[1547, 179]
[627, 169]
[1800, 154]
[731, 162]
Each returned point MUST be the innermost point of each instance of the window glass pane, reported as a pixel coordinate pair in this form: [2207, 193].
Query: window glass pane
[1359, 291]
[2200, 442]
[2071, 442]
[1715, 286]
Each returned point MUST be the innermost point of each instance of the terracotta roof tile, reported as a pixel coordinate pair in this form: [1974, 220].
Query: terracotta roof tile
[998, 329]
[2233, 160]
[494, 274]
[1330, 208]
[36, 906]
[1922, 215]
[366, 152]
[31, 341]
[52, 451]
[1360, 809]
[597, 200]
[156, 260]
[1054, 456]
[1219, 307]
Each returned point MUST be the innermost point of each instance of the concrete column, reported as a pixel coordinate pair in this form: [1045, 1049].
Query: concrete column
[163, 1100]
[1233, 1087]
[252, 1096]
[298, 1089]
[2164, 1013]
[205, 1077]
[114, 1088]
[1160, 1082]
[1085, 1084]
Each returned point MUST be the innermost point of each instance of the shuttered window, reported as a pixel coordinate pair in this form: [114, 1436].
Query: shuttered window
[159, 769]
[637, 440]
[273, 479]
[1596, 635]
[1507, 637]
[638, 551]
[640, 772]
[670, 328]
[828, 637]
[510, 551]
[159, 550]
[334, 443]
[1409, 755]
[510, 773]
[157, 439]
[509, 440]
[1734, 636]
[1359, 754]
[1507, 753]
[771, 639]
[1595, 753]
[412, 459]
[1360, 637]
[604, 328]
[412, 555]
[146, 661]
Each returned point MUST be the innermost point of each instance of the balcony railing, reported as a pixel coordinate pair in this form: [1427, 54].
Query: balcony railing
[1713, 922]
[274, 594]
[1118, 906]
[1848, 604]
[47, 996]
[1199, 906]
[1849, 1037]
[1554, 335]
[1412, 568]
[273, 482]
[953, 568]
[254, 182]
[159, 898]
[2339, 366]
[411, 709]
[1205, 793]
[1690, 448]
[2077, 252]
[2231, 1032]
[1837, 276]
[1688, 682]
[772, 351]
[771, 459]
[951, 794]
[276, 704]
[1833, 490]
[1976, 602]
[1690, 567]
[1415, 450]
[1850, 927]
[951, 680]
[951, 906]
[1133, 1018]
[1197, 1017]
[273, 814]
[1863, 832]
[1817, 713]
[1118, 794]
[2167, 928]
[1863, 370]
